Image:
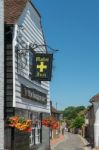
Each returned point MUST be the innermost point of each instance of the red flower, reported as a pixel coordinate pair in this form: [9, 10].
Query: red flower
[20, 123]
[50, 122]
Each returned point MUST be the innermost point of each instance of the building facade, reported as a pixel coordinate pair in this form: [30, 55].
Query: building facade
[89, 125]
[1, 74]
[95, 102]
[23, 96]
[55, 133]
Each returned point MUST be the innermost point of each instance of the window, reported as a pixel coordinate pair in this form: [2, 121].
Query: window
[32, 137]
[36, 133]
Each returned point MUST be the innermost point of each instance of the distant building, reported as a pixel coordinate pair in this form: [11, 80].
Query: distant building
[23, 96]
[89, 124]
[55, 113]
[92, 121]
[61, 117]
[95, 102]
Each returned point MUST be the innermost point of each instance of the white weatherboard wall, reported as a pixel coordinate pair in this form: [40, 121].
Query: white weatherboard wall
[96, 124]
[30, 32]
[1, 75]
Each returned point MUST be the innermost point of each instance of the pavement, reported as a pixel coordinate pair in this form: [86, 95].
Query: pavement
[70, 141]
[56, 141]
[86, 143]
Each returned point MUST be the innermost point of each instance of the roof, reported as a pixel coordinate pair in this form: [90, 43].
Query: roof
[95, 98]
[13, 9]
[53, 110]
[90, 107]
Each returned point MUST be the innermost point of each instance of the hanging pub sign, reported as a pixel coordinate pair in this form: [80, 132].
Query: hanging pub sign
[42, 66]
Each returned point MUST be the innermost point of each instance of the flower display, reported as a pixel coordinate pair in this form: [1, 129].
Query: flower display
[20, 123]
[50, 122]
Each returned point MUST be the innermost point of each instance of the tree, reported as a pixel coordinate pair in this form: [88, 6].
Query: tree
[70, 112]
[74, 116]
[78, 122]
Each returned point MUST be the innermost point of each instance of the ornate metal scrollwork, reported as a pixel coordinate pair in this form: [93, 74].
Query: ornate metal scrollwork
[22, 49]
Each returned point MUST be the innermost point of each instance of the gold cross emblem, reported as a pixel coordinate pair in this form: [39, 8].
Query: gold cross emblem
[41, 66]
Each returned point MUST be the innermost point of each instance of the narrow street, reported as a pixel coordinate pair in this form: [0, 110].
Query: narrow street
[71, 142]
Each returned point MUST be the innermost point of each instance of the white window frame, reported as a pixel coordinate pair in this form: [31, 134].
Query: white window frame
[32, 137]
[37, 135]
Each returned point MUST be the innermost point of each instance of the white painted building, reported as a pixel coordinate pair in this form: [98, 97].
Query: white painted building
[23, 28]
[95, 101]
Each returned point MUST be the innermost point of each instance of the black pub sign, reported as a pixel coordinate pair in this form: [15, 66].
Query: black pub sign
[42, 66]
[33, 94]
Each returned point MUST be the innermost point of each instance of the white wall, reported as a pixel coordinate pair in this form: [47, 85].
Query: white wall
[32, 32]
[96, 124]
[1, 75]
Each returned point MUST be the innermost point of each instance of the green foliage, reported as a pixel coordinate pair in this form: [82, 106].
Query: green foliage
[78, 122]
[21, 119]
[70, 112]
[74, 116]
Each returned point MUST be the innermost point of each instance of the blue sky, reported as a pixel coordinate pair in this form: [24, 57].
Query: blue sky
[72, 26]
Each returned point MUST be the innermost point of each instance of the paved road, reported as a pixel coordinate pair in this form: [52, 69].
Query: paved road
[71, 142]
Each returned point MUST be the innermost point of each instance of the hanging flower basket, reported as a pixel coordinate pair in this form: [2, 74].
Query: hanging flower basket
[50, 122]
[20, 123]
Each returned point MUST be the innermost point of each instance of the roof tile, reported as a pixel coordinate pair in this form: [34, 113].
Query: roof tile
[95, 98]
[13, 9]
